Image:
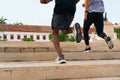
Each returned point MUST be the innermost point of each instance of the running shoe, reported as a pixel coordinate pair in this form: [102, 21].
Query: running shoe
[77, 32]
[60, 59]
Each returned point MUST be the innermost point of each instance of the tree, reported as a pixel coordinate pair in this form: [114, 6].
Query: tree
[1, 33]
[50, 37]
[117, 30]
[116, 23]
[18, 23]
[2, 20]
[71, 39]
[63, 37]
[1, 29]
[27, 39]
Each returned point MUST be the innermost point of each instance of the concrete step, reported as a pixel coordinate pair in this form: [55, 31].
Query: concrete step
[48, 70]
[7, 46]
[51, 49]
[50, 56]
[105, 78]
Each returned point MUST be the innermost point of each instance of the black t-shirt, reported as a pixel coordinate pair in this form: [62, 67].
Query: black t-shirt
[65, 7]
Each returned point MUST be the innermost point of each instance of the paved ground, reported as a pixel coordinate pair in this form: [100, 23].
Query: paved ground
[105, 78]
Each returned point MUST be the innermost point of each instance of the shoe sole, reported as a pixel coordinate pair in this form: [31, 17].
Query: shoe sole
[78, 36]
[110, 43]
[87, 51]
[61, 62]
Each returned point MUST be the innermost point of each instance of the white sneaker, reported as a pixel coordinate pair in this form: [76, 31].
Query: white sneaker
[60, 60]
[77, 32]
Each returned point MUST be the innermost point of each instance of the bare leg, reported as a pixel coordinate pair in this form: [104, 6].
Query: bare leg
[56, 42]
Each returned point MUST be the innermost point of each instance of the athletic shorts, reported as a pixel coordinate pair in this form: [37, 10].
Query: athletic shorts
[61, 22]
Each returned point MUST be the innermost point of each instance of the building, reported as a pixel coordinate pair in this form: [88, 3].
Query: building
[18, 32]
[41, 33]
[109, 29]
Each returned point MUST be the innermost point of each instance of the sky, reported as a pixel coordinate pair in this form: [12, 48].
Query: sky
[32, 12]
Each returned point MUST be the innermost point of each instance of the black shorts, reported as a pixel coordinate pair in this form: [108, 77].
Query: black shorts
[61, 22]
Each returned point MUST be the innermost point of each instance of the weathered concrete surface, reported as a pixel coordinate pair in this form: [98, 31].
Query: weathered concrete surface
[50, 70]
[101, 64]
[105, 78]
[50, 56]
[48, 46]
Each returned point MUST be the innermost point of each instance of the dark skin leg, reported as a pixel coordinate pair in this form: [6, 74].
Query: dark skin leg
[56, 42]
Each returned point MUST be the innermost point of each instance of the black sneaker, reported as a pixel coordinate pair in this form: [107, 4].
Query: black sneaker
[87, 50]
[109, 42]
[60, 60]
[77, 32]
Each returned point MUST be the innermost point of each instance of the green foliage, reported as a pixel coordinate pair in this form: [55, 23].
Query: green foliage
[117, 30]
[3, 20]
[63, 37]
[118, 36]
[1, 29]
[18, 23]
[71, 39]
[27, 39]
[50, 37]
[0, 37]
[116, 23]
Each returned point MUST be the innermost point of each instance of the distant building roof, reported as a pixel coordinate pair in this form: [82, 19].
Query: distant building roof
[25, 28]
[32, 28]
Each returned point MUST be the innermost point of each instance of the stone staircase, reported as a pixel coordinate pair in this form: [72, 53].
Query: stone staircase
[48, 70]
[35, 61]
[50, 56]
